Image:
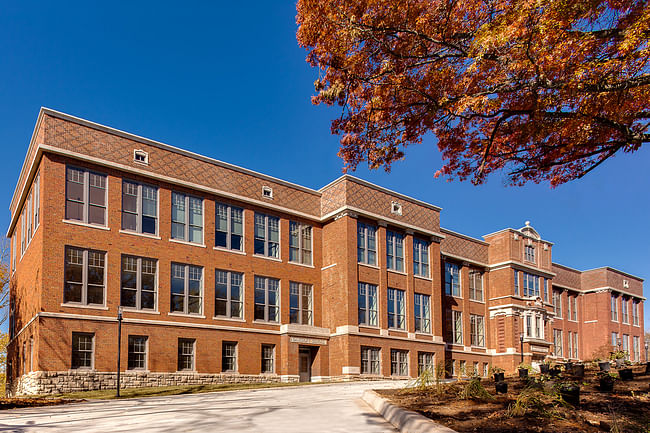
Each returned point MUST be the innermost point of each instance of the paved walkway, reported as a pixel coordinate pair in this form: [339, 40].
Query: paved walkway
[317, 408]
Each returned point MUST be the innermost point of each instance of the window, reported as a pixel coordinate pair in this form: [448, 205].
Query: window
[531, 285]
[28, 215]
[625, 341]
[37, 201]
[186, 289]
[366, 244]
[370, 360]
[613, 309]
[141, 156]
[557, 304]
[624, 316]
[425, 362]
[23, 239]
[186, 354]
[615, 339]
[422, 313]
[455, 326]
[300, 303]
[574, 312]
[137, 352]
[569, 344]
[539, 327]
[268, 358]
[396, 308]
[463, 367]
[420, 257]
[568, 306]
[452, 279]
[138, 283]
[85, 196]
[267, 299]
[477, 330]
[399, 362]
[476, 285]
[82, 350]
[267, 192]
[636, 348]
[139, 207]
[529, 253]
[84, 276]
[267, 235]
[229, 227]
[367, 304]
[300, 243]
[13, 253]
[545, 289]
[485, 369]
[635, 313]
[395, 251]
[557, 342]
[187, 218]
[395, 208]
[475, 371]
[575, 345]
[228, 356]
[516, 282]
[228, 294]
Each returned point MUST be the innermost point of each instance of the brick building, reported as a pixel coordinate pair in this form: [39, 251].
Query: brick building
[228, 275]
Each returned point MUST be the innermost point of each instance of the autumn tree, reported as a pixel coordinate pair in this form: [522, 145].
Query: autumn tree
[545, 90]
[5, 279]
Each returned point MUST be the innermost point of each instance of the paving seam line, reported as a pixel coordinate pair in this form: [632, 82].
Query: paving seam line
[405, 421]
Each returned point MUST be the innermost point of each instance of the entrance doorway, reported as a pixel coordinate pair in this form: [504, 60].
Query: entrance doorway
[304, 364]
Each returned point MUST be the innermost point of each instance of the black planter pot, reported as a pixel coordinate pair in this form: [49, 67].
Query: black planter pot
[568, 366]
[647, 368]
[500, 387]
[626, 374]
[579, 370]
[523, 373]
[544, 368]
[499, 377]
[606, 384]
[603, 365]
[554, 372]
[571, 394]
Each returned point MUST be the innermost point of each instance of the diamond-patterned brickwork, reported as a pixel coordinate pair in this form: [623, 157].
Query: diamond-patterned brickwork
[462, 247]
[333, 198]
[566, 277]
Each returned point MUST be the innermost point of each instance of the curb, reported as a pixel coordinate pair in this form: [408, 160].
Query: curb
[405, 421]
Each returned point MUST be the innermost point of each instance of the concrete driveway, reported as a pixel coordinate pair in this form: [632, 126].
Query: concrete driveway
[317, 408]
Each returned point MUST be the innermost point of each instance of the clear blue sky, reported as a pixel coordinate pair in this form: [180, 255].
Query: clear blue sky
[228, 80]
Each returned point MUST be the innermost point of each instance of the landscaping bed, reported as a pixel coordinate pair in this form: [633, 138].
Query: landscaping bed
[531, 405]
[15, 403]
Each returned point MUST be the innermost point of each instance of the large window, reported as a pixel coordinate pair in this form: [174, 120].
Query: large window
[84, 276]
[613, 308]
[366, 244]
[572, 308]
[575, 345]
[267, 299]
[367, 300]
[425, 362]
[83, 348]
[625, 318]
[516, 279]
[394, 251]
[300, 303]
[267, 235]
[138, 283]
[186, 289]
[531, 285]
[636, 349]
[477, 330]
[268, 358]
[139, 207]
[396, 308]
[625, 341]
[545, 289]
[557, 342]
[137, 352]
[229, 227]
[557, 304]
[615, 339]
[187, 218]
[420, 257]
[186, 354]
[635, 313]
[422, 313]
[529, 253]
[228, 294]
[455, 326]
[37, 201]
[85, 196]
[399, 362]
[476, 285]
[300, 245]
[452, 279]
[228, 356]
[370, 360]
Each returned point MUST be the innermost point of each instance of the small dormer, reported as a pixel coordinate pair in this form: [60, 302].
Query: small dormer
[527, 230]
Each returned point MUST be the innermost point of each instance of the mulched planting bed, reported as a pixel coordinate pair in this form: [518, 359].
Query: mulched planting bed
[540, 409]
[14, 403]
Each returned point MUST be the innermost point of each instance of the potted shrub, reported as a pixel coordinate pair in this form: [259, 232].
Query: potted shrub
[619, 357]
[555, 371]
[498, 374]
[606, 381]
[568, 366]
[523, 370]
[579, 370]
[570, 392]
[501, 387]
[603, 365]
[544, 368]
[626, 374]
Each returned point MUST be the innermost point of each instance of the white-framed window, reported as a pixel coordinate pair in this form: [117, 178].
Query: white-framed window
[137, 356]
[615, 339]
[367, 301]
[455, 326]
[267, 192]
[485, 369]
[23, 238]
[13, 253]
[85, 195]
[267, 235]
[426, 362]
[516, 279]
[557, 304]
[267, 299]
[636, 348]
[228, 356]
[229, 296]
[85, 276]
[625, 318]
[574, 311]
[575, 345]
[545, 289]
[268, 359]
[139, 207]
[186, 354]
[613, 308]
[139, 283]
[300, 303]
[28, 214]
[229, 227]
[396, 309]
[366, 244]
[83, 350]
[141, 156]
[476, 285]
[399, 362]
[370, 360]
[420, 257]
[529, 253]
[422, 312]
[452, 279]
[477, 330]
[187, 218]
[557, 342]
[186, 289]
[37, 201]
[394, 251]
[569, 344]
[300, 243]
[635, 312]
[531, 285]
[625, 341]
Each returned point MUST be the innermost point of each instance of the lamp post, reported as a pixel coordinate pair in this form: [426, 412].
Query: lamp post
[119, 346]
[521, 342]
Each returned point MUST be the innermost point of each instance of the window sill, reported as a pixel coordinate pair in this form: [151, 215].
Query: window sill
[196, 316]
[144, 235]
[137, 370]
[186, 372]
[274, 259]
[394, 271]
[264, 322]
[90, 307]
[226, 250]
[472, 347]
[302, 264]
[368, 326]
[423, 278]
[453, 296]
[135, 310]
[477, 301]
[425, 334]
[397, 329]
[194, 244]
[368, 265]
[231, 372]
[230, 319]
[82, 224]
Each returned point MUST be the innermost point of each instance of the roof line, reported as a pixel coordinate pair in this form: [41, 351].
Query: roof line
[519, 232]
[444, 230]
[615, 270]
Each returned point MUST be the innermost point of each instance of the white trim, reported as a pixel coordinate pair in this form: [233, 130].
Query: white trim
[88, 307]
[226, 250]
[521, 266]
[274, 259]
[328, 266]
[193, 244]
[23, 328]
[135, 310]
[520, 233]
[369, 266]
[612, 289]
[79, 223]
[144, 235]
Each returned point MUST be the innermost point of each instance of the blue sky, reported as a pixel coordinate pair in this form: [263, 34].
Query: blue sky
[228, 80]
